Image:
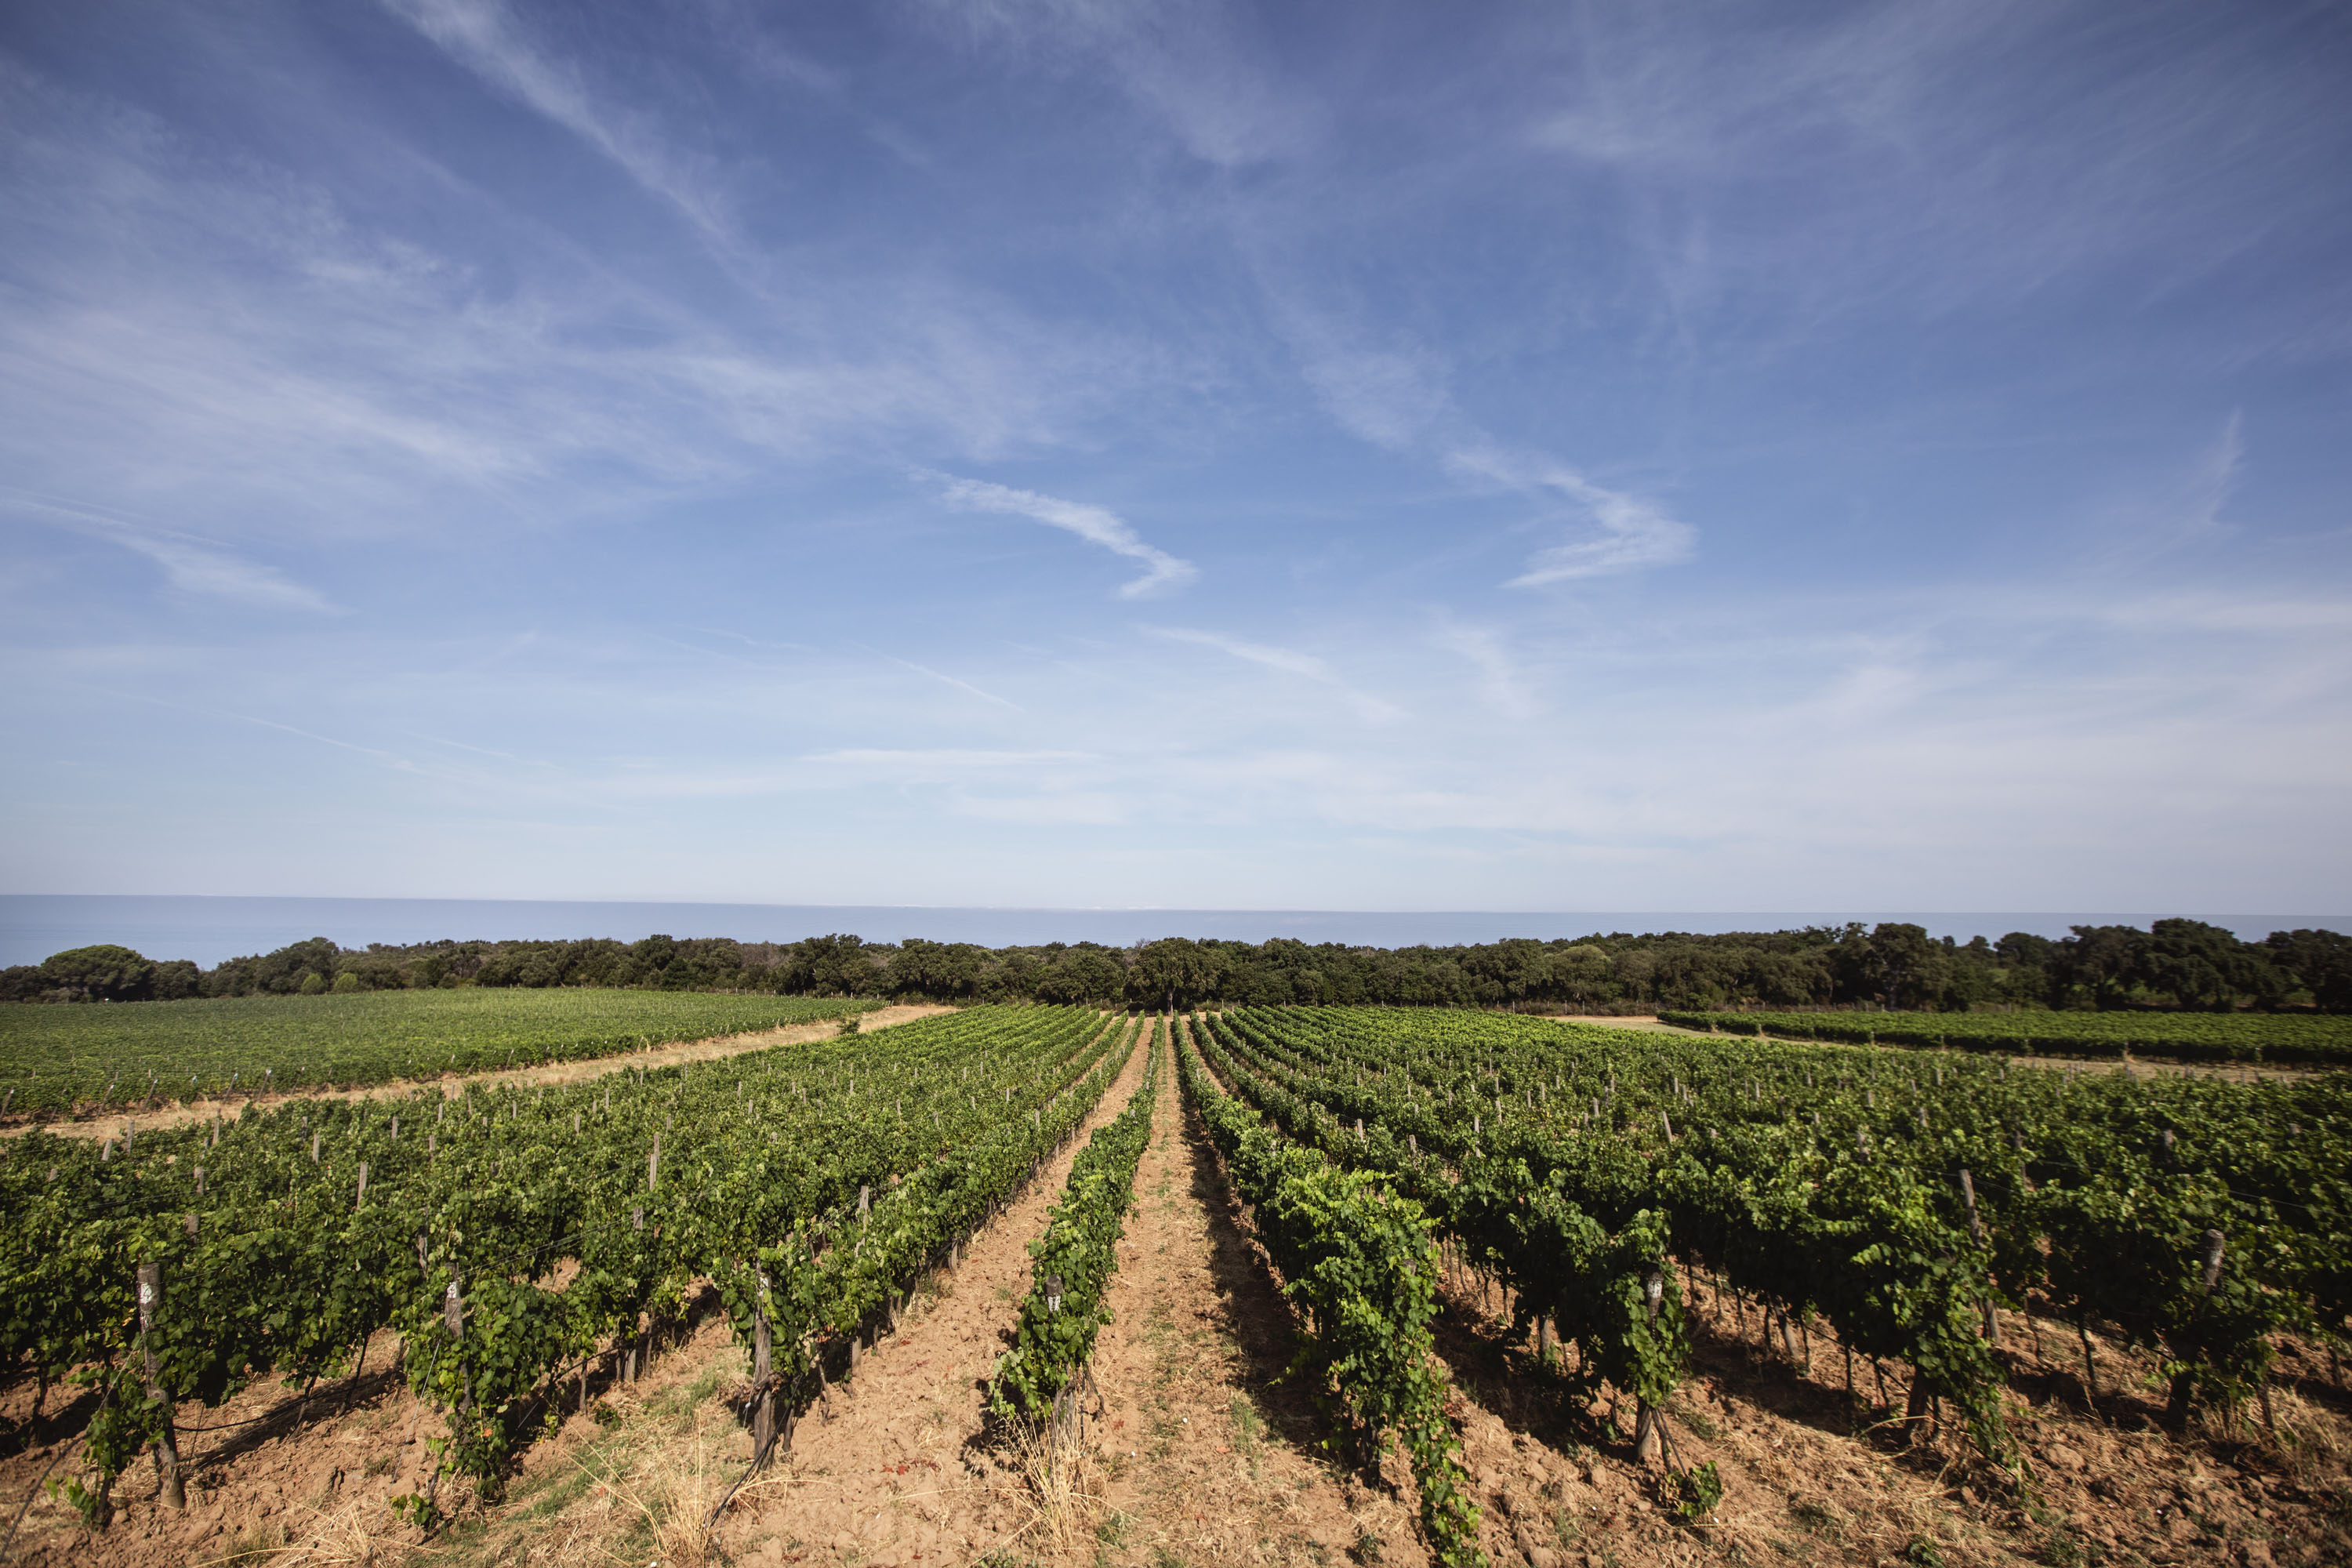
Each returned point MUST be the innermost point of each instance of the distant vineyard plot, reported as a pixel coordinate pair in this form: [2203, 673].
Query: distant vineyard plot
[57, 1058]
[2196, 1036]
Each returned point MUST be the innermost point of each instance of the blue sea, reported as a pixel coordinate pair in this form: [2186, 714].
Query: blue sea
[208, 930]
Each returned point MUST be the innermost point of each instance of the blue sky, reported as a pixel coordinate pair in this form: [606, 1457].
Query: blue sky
[1320, 455]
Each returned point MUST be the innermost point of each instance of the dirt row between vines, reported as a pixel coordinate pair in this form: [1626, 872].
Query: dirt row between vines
[180, 1113]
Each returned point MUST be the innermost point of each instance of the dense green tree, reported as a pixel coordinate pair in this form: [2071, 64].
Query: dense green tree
[952, 970]
[101, 973]
[2097, 966]
[2319, 962]
[2202, 966]
[2023, 962]
[2179, 963]
[1174, 971]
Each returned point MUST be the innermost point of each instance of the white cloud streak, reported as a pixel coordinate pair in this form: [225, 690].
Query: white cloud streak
[1397, 400]
[1095, 524]
[1289, 661]
[1632, 533]
[1191, 65]
[482, 37]
[192, 564]
[1500, 680]
[949, 756]
[964, 686]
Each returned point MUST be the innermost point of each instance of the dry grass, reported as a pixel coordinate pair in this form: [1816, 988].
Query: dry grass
[1055, 1495]
[347, 1537]
[669, 1493]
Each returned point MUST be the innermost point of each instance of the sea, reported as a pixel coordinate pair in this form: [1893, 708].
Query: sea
[208, 930]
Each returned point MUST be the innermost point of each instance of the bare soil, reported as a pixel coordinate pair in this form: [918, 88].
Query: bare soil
[179, 1113]
[1811, 1473]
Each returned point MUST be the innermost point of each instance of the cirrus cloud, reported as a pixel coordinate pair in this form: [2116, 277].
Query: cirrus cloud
[1095, 524]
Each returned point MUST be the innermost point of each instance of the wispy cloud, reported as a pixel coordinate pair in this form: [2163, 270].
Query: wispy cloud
[199, 566]
[1910, 132]
[480, 751]
[1190, 65]
[1500, 681]
[950, 759]
[1397, 399]
[1392, 394]
[2212, 483]
[192, 564]
[483, 37]
[1095, 524]
[1387, 397]
[243, 346]
[964, 686]
[1289, 661]
[1632, 533]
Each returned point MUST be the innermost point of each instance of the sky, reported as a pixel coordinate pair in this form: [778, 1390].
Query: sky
[1310, 455]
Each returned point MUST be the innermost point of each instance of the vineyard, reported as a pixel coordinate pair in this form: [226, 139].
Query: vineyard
[1517, 1265]
[95, 1058]
[2322, 1039]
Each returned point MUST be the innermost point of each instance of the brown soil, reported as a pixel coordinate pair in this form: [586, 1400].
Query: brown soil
[179, 1113]
[262, 1461]
[1813, 1474]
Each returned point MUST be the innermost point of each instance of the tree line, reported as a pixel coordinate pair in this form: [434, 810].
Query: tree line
[2175, 964]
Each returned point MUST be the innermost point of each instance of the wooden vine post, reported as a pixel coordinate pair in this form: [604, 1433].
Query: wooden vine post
[2184, 1381]
[1976, 1234]
[453, 1319]
[167, 1442]
[636, 1335]
[764, 1407]
[1647, 1443]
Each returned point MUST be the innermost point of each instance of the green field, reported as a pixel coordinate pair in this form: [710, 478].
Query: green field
[2194, 1036]
[59, 1057]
